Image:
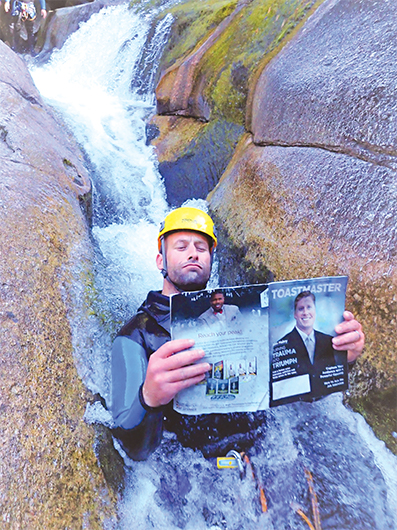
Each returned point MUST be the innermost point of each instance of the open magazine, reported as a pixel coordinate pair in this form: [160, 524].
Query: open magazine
[267, 344]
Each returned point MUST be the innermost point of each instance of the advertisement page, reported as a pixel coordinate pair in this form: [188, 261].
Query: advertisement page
[232, 326]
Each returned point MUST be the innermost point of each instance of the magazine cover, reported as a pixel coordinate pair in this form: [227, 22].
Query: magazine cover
[232, 326]
[302, 318]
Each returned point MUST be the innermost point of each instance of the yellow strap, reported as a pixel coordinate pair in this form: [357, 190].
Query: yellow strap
[223, 462]
[306, 519]
[313, 496]
[262, 495]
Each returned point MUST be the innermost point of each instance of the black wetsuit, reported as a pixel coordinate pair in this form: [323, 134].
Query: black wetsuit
[140, 430]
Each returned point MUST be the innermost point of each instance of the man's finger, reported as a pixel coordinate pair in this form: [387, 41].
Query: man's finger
[183, 358]
[188, 372]
[186, 383]
[348, 340]
[348, 332]
[348, 315]
[173, 346]
[345, 327]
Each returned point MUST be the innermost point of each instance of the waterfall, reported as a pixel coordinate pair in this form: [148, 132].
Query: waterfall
[101, 82]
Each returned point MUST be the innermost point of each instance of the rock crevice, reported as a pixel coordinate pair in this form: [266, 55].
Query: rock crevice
[368, 153]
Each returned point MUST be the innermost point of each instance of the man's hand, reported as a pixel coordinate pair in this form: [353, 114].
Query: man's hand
[170, 369]
[350, 337]
[7, 7]
[43, 13]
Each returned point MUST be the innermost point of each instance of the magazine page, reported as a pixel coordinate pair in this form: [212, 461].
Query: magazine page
[302, 318]
[232, 326]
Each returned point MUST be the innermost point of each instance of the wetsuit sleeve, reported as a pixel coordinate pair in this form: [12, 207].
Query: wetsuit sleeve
[128, 373]
[139, 431]
[43, 4]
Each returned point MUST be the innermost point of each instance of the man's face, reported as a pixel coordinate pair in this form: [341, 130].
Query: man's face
[305, 314]
[188, 260]
[217, 301]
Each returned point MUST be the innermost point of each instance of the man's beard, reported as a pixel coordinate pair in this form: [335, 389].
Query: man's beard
[189, 281]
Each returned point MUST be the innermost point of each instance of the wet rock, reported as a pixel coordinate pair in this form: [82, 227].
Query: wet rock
[192, 169]
[207, 66]
[49, 475]
[180, 90]
[61, 23]
[112, 465]
[334, 86]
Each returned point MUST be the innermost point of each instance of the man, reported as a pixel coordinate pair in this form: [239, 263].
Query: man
[314, 351]
[219, 312]
[23, 12]
[148, 369]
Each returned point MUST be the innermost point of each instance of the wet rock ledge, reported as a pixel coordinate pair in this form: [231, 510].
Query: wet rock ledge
[49, 476]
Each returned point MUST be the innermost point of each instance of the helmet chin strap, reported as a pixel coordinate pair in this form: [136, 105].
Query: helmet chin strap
[164, 271]
[166, 277]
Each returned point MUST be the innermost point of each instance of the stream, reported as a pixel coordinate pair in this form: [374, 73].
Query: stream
[89, 82]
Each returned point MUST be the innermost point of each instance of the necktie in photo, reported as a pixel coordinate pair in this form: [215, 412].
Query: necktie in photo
[309, 342]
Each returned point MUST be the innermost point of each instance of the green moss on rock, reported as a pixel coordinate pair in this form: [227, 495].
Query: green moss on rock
[379, 410]
[227, 67]
[193, 22]
[250, 38]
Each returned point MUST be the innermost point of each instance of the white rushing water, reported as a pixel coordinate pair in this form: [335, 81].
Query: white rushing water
[89, 82]
[355, 476]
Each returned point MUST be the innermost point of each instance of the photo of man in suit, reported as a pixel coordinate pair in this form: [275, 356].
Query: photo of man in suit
[313, 350]
[220, 313]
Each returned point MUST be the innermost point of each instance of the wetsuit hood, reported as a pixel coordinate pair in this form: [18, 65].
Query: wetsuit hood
[157, 306]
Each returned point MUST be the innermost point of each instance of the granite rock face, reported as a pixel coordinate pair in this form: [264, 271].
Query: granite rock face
[49, 476]
[180, 90]
[312, 189]
[335, 86]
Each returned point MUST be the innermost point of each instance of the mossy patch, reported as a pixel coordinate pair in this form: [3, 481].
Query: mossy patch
[254, 33]
[379, 408]
[97, 305]
[193, 23]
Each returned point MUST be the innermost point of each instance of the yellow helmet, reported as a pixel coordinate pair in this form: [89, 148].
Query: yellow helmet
[186, 218]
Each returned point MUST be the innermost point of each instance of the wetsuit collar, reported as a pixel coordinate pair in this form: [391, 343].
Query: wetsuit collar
[157, 306]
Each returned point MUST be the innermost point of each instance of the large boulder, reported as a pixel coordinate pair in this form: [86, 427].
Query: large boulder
[335, 86]
[313, 190]
[49, 475]
[212, 53]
